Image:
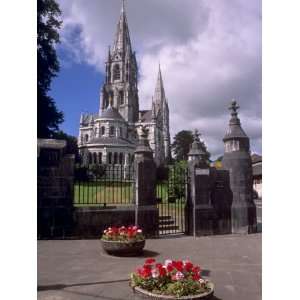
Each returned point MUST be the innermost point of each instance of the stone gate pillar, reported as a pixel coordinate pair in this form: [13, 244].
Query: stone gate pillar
[55, 189]
[201, 214]
[146, 213]
[237, 161]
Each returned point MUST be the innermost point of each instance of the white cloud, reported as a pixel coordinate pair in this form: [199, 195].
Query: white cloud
[210, 52]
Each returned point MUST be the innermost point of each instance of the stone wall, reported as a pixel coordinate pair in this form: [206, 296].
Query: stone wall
[89, 222]
[54, 189]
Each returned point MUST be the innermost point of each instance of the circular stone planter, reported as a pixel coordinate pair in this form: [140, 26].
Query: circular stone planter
[203, 296]
[123, 248]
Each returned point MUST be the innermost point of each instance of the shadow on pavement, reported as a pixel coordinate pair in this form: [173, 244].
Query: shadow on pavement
[63, 286]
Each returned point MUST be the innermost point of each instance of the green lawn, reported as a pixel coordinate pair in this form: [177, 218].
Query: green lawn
[121, 193]
[100, 192]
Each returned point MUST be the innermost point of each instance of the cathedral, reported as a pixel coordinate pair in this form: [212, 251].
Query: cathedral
[110, 136]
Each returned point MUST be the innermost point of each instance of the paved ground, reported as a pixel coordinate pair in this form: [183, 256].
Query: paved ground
[80, 270]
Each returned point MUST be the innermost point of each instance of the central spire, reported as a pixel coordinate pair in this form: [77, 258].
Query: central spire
[122, 40]
[159, 94]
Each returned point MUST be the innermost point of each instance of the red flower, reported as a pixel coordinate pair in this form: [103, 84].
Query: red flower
[178, 265]
[150, 261]
[196, 276]
[170, 268]
[188, 266]
[196, 269]
[162, 271]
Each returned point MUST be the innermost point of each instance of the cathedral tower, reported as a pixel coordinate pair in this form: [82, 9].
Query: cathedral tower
[120, 88]
[161, 107]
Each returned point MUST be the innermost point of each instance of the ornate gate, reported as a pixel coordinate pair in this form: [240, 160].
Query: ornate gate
[171, 194]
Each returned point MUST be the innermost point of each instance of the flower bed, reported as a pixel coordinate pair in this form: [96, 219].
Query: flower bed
[171, 280]
[123, 240]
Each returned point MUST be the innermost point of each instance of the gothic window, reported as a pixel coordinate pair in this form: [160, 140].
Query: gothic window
[121, 158]
[100, 157]
[121, 97]
[102, 130]
[95, 157]
[112, 131]
[116, 72]
[86, 138]
[110, 158]
[115, 158]
[90, 158]
[121, 132]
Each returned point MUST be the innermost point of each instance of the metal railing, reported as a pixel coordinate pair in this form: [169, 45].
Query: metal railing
[104, 185]
[171, 191]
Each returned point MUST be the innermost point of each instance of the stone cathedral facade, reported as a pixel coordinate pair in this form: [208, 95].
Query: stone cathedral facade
[110, 136]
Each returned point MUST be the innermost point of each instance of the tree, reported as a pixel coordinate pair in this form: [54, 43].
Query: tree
[72, 147]
[48, 24]
[182, 143]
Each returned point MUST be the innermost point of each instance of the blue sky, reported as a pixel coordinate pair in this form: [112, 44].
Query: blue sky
[75, 90]
[209, 51]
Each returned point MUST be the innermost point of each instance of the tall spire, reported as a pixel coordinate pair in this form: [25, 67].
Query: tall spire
[159, 94]
[122, 39]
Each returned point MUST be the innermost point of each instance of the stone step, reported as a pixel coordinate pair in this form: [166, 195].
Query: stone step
[166, 222]
[169, 227]
[164, 217]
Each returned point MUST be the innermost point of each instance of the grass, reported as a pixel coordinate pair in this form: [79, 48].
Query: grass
[119, 193]
[100, 192]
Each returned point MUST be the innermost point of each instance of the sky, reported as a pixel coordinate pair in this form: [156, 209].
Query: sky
[209, 52]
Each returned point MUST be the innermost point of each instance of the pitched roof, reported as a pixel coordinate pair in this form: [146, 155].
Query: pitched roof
[111, 113]
[257, 170]
[256, 158]
[145, 115]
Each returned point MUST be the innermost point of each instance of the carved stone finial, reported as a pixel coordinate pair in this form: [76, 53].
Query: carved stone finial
[144, 132]
[233, 107]
[197, 135]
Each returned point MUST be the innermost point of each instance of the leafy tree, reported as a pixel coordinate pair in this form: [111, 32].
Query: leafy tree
[72, 147]
[48, 24]
[182, 143]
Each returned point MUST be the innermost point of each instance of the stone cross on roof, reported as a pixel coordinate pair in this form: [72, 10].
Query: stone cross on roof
[197, 135]
[233, 107]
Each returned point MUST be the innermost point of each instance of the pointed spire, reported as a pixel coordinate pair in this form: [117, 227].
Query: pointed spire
[81, 119]
[153, 112]
[235, 130]
[122, 40]
[159, 94]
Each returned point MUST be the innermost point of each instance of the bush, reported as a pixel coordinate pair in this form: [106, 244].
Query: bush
[81, 173]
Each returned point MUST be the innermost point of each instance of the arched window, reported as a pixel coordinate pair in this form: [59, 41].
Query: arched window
[112, 130]
[115, 158]
[121, 97]
[90, 158]
[100, 157]
[95, 157]
[110, 158]
[102, 130]
[116, 72]
[86, 138]
[121, 131]
[121, 159]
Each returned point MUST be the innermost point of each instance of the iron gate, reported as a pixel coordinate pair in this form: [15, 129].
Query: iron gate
[171, 195]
